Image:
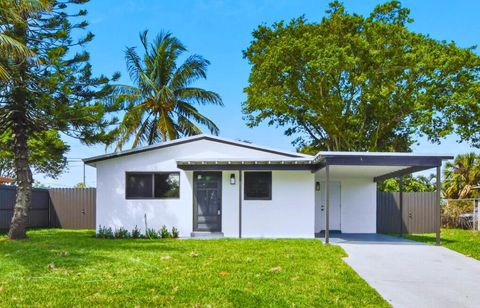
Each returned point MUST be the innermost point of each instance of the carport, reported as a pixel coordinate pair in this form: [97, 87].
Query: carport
[379, 167]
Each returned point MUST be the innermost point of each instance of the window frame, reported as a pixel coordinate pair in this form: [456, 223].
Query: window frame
[152, 174]
[269, 198]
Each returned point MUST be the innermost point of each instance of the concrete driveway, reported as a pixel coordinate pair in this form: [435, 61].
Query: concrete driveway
[411, 274]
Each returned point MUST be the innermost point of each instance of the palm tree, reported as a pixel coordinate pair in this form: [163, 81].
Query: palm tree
[461, 176]
[13, 11]
[160, 106]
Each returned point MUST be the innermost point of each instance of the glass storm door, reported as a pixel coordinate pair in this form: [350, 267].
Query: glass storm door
[207, 201]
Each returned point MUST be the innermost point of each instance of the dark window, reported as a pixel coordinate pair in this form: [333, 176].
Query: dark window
[159, 185]
[258, 186]
[139, 185]
[167, 185]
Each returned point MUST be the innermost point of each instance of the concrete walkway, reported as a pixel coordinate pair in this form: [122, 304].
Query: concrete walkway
[411, 274]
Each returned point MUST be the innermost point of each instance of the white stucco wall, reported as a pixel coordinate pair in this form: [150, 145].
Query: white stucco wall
[358, 204]
[289, 214]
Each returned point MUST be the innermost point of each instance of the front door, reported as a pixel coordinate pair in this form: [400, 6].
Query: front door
[335, 207]
[207, 201]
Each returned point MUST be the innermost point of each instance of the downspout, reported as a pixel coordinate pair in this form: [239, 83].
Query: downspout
[239, 203]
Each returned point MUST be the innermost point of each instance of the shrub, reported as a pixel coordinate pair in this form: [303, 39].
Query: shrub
[175, 232]
[452, 214]
[136, 233]
[104, 232]
[151, 234]
[164, 233]
[122, 233]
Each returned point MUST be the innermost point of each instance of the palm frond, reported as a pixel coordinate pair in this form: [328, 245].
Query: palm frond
[194, 68]
[199, 96]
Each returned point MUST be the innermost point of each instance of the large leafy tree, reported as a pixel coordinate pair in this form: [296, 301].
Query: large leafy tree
[461, 176]
[361, 83]
[419, 183]
[53, 90]
[161, 104]
[46, 152]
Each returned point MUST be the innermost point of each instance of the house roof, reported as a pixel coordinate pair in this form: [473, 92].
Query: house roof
[398, 163]
[92, 160]
[4, 179]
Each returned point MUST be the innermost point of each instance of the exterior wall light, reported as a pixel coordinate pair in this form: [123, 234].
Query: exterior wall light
[317, 186]
[232, 179]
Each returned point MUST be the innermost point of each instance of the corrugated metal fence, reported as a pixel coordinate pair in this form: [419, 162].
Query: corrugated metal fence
[72, 208]
[418, 212]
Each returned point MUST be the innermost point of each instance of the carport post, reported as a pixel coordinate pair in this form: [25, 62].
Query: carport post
[327, 205]
[400, 181]
[240, 203]
[438, 209]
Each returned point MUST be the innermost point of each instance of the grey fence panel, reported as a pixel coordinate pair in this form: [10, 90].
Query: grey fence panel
[418, 212]
[72, 208]
[39, 210]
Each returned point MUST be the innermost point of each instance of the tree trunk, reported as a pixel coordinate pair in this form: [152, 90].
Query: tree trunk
[21, 164]
[24, 183]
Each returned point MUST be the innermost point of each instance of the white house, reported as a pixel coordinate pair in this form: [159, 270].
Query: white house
[210, 185]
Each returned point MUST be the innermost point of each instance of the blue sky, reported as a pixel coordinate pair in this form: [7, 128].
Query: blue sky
[219, 31]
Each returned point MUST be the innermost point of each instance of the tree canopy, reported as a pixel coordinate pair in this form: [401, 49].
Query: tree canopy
[361, 83]
[410, 184]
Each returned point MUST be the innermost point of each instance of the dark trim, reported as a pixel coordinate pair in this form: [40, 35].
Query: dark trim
[366, 160]
[401, 172]
[195, 207]
[160, 146]
[269, 198]
[127, 173]
[233, 167]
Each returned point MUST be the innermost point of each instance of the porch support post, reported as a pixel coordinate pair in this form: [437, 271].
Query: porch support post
[438, 211]
[239, 203]
[327, 205]
[400, 181]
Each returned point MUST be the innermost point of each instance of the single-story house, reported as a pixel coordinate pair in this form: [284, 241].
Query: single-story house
[220, 187]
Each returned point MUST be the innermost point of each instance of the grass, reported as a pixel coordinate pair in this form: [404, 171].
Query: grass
[466, 242]
[72, 268]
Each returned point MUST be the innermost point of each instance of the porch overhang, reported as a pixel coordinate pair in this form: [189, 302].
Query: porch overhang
[229, 164]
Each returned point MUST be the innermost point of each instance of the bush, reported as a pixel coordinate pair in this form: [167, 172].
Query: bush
[175, 232]
[122, 233]
[136, 233]
[164, 233]
[151, 234]
[452, 214]
[104, 232]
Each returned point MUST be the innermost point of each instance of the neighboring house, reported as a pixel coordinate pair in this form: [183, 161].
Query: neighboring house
[205, 184]
[6, 180]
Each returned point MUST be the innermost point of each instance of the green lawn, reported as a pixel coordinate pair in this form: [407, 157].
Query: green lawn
[65, 268]
[463, 241]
